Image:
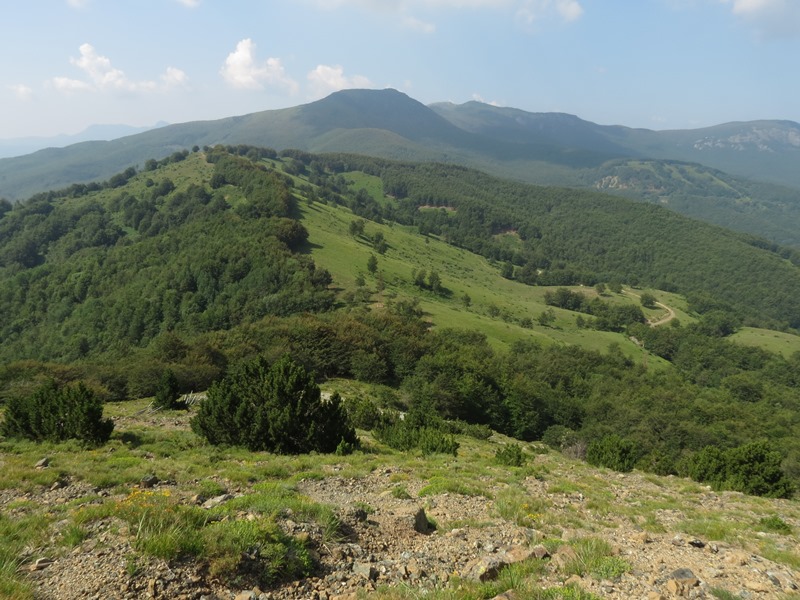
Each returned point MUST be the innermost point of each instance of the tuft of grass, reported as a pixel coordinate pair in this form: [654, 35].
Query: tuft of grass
[713, 528]
[400, 492]
[723, 594]
[73, 535]
[775, 524]
[441, 485]
[15, 536]
[593, 557]
[516, 506]
[257, 545]
[208, 488]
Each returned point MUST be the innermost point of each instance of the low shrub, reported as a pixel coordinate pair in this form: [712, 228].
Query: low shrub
[510, 455]
[58, 413]
[277, 408]
[754, 469]
[612, 452]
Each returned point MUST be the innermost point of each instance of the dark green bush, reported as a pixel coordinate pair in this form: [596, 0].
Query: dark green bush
[754, 468]
[510, 455]
[363, 412]
[435, 441]
[473, 430]
[405, 435]
[167, 392]
[559, 437]
[612, 452]
[776, 524]
[277, 408]
[58, 413]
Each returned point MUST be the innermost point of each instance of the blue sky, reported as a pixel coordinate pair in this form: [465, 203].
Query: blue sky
[659, 64]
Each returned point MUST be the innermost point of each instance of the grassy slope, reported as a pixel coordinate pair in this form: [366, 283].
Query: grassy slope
[461, 272]
[162, 444]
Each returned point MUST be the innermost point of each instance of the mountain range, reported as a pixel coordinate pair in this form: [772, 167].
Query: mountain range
[10, 147]
[740, 175]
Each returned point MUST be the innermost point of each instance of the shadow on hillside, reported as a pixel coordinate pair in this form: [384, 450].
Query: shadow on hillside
[130, 439]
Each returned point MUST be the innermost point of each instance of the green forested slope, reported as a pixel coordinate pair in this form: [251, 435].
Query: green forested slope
[204, 259]
[569, 236]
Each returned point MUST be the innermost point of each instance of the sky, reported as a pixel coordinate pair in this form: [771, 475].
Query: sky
[658, 64]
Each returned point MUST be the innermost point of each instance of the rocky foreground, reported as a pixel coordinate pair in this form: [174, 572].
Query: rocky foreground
[401, 540]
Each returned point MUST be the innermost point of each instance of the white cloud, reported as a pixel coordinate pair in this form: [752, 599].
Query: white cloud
[527, 11]
[326, 79]
[394, 5]
[67, 85]
[102, 76]
[531, 11]
[21, 91]
[418, 25]
[78, 3]
[478, 98]
[241, 70]
[173, 77]
[190, 3]
[770, 18]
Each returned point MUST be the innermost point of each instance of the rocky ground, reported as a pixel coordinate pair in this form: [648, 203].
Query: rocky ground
[389, 539]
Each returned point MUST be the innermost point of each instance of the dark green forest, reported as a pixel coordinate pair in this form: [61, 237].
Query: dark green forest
[200, 261]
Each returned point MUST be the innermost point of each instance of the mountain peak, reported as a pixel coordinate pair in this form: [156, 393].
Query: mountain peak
[387, 109]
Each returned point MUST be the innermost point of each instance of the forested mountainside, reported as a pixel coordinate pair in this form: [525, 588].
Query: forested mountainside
[725, 175]
[346, 262]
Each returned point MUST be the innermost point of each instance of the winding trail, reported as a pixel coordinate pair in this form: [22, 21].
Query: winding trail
[661, 320]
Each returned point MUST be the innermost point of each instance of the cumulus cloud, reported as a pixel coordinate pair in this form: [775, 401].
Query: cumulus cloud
[103, 76]
[241, 70]
[532, 11]
[771, 18]
[21, 91]
[173, 77]
[326, 79]
[190, 3]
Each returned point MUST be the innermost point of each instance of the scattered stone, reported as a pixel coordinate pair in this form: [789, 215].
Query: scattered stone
[41, 563]
[42, 464]
[415, 518]
[563, 556]
[540, 552]
[149, 481]
[737, 558]
[366, 570]
[217, 501]
[681, 582]
[643, 538]
[484, 568]
[758, 586]
[507, 595]
[248, 595]
[697, 543]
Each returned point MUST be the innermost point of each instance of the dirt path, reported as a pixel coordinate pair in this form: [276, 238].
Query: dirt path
[661, 320]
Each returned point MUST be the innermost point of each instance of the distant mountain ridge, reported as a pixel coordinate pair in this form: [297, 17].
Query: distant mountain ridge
[542, 148]
[10, 147]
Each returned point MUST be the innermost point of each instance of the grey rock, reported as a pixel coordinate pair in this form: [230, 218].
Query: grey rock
[149, 481]
[366, 570]
[217, 501]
